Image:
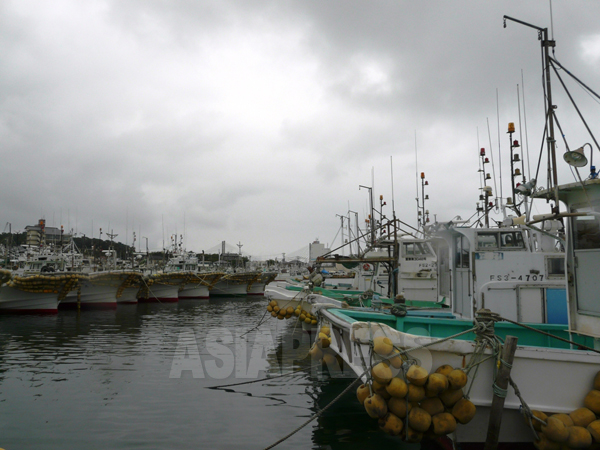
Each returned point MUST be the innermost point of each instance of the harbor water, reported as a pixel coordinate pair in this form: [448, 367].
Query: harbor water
[144, 376]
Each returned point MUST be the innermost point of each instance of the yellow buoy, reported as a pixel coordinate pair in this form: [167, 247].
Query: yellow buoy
[376, 406]
[555, 429]
[564, 418]
[445, 369]
[443, 423]
[273, 303]
[582, 417]
[313, 322]
[396, 361]
[464, 410]
[380, 389]
[382, 373]
[398, 406]
[323, 342]
[546, 444]
[594, 429]
[413, 435]
[391, 424]
[436, 384]
[330, 361]
[537, 425]
[433, 406]
[457, 379]
[326, 331]
[419, 419]
[579, 437]
[597, 382]
[383, 345]
[397, 388]
[415, 393]
[451, 396]
[362, 392]
[316, 353]
[592, 401]
[290, 310]
[417, 375]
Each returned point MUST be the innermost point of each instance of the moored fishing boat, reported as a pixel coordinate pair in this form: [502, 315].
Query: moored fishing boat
[239, 284]
[36, 293]
[430, 375]
[103, 290]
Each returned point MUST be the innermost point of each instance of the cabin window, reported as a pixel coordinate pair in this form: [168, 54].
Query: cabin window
[555, 267]
[495, 240]
[586, 230]
[462, 252]
[511, 239]
[487, 241]
[416, 249]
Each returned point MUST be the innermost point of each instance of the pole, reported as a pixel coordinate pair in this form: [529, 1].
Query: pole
[502, 377]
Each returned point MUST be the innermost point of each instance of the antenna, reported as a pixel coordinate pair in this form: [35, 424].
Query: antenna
[417, 177]
[392, 177]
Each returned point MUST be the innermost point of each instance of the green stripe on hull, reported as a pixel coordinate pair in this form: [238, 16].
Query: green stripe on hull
[441, 328]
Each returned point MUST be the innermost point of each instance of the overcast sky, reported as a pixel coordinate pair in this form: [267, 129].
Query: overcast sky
[256, 121]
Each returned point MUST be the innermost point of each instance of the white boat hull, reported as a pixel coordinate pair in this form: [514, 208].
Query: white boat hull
[128, 296]
[550, 380]
[195, 292]
[22, 302]
[229, 289]
[161, 293]
[92, 297]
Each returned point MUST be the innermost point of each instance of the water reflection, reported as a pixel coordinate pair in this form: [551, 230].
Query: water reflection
[106, 379]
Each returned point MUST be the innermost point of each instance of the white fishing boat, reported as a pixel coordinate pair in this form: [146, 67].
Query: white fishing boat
[238, 284]
[503, 282]
[104, 290]
[38, 293]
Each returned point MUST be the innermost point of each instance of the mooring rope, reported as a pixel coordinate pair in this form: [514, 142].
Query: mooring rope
[318, 414]
[224, 386]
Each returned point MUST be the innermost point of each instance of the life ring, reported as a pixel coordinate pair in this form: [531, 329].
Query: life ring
[366, 266]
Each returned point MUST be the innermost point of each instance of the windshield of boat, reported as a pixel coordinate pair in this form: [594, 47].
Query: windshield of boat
[586, 229]
[496, 240]
[416, 249]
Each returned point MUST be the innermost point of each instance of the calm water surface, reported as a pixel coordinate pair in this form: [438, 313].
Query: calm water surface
[139, 378]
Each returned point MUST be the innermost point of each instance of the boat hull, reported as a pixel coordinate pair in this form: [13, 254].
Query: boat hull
[161, 293]
[91, 296]
[540, 372]
[193, 293]
[16, 301]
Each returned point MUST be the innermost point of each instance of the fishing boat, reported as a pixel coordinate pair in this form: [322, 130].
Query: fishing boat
[240, 283]
[36, 293]
[504, 284]
[104, 290]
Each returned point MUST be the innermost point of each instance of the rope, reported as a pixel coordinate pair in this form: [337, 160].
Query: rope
[318, 414]
[260, 322]
[584, 347]
[223, 386]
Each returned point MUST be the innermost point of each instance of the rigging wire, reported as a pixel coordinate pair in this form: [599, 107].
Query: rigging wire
[525, 123]
[492, 155]
[574, 105]
[499, 147]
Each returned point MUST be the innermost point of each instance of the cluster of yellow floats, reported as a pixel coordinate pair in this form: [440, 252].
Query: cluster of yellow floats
[46, 283]
[287, 312]
[416, 403]
[579, 429]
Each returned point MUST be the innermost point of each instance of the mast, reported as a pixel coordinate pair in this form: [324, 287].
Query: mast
[550, 141]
